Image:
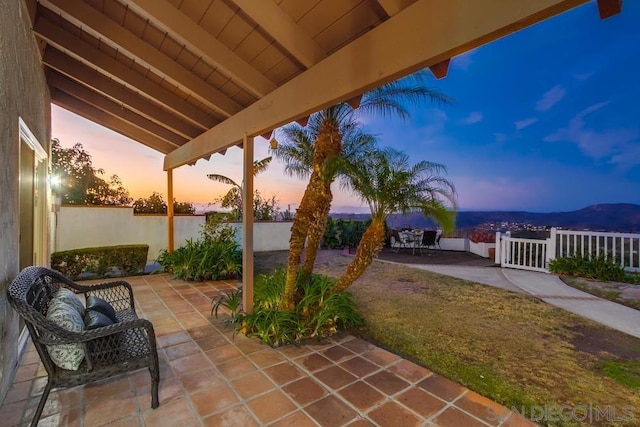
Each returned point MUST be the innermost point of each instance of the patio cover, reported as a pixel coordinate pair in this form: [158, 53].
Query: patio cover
[190, 78]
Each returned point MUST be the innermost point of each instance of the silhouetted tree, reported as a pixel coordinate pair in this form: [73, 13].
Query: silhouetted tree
[80, 182]
[156, 204]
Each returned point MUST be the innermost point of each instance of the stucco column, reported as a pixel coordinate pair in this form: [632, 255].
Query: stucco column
[170, 210]
[247, 225]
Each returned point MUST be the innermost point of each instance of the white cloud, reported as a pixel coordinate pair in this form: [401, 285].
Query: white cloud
[521, 124]
[584, 76]
[437, 115]
[629, 158]
[473, 117]
[500, 137]
[463, 61]
[551, 98]
[609, 143]
[498, 193]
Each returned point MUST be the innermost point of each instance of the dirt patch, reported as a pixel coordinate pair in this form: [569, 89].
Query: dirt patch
[605, 343]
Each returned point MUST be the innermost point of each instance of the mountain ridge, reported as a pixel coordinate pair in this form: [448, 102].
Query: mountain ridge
[622, 217]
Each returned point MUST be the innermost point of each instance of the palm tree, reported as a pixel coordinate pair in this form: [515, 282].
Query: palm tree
[300, 157]
[311, 216]
[233, 198]
[387, 182]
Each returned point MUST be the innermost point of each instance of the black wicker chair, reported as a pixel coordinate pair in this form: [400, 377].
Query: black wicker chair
[121, 347]
[429, 239]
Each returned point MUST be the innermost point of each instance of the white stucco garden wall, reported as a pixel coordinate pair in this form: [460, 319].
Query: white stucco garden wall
[87, 226]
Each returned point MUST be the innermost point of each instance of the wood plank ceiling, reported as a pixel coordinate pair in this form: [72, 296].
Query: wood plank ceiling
[170, 73]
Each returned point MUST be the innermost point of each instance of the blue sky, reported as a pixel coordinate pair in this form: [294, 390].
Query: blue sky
[546, 119]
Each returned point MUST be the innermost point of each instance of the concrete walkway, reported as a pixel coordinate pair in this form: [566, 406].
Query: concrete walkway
[550, 289]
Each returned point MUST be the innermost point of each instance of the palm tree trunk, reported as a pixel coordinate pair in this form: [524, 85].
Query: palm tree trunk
[315, 234]
[302, 220]
[370, 245]
[315, 201]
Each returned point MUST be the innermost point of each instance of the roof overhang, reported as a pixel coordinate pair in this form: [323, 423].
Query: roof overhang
[191, 78]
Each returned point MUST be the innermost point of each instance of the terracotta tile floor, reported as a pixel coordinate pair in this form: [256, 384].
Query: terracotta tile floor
[210, 376]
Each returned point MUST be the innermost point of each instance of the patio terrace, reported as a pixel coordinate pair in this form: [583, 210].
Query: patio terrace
[211, 377]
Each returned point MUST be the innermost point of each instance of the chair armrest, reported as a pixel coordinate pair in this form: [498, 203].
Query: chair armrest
[56, 335]
[118, 293]
[108, 345]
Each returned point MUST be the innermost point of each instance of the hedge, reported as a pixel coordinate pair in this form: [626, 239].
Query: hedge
[127, 259]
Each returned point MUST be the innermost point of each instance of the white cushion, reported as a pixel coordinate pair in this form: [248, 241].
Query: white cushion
[65, 315]
[68, 296]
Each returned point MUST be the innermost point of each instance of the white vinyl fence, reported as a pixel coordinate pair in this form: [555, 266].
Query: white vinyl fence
[535, 254]
[622, 247]
[523, 254]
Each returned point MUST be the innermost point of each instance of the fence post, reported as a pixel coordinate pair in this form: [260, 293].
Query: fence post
[551, 245]
[496, 255]
[506, 259]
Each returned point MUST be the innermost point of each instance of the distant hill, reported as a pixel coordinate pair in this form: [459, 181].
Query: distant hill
[623, 217]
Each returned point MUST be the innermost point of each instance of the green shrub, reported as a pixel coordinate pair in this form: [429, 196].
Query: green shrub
[129, 259]
[342, 233]
[601, 268]
[214, 256]
[319, 313]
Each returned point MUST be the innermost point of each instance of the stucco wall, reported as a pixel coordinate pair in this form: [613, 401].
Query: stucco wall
[23, 94]
[85, 226]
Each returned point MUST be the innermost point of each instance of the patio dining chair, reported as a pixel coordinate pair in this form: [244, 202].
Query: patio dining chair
[397, 241]
[429, 238]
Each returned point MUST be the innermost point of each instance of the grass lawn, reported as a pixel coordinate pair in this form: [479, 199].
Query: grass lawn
[509, 347]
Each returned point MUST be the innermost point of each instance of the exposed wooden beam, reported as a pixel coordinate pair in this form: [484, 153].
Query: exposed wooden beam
[392, 7]
[116, 124]
[93, 79]
[429, 31]
[65, 84]
[608, 8]
[31, 7]
[92, 21]
[440, 69]
[281, 27]
[87, 54]
[197, 39]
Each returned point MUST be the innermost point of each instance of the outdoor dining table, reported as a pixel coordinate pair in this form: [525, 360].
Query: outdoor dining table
[413, 239]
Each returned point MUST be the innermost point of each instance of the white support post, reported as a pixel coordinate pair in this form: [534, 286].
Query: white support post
[170, 222]
[551, 244]
[497, 256]
[247, 225]
[507, 249]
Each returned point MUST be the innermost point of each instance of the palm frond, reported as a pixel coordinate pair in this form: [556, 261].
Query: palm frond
[393, 98]
[223, 179]
[387, 181]
[260, 166]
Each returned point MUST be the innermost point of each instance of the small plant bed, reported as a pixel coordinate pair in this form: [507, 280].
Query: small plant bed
[214, 256]
[512, 348]
[319, 312]
[601, 268]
